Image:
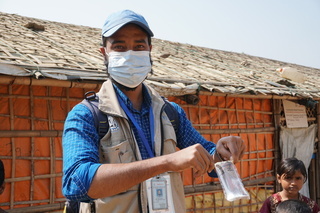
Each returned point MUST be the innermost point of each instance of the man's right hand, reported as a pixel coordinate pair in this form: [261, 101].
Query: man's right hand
[195, 157]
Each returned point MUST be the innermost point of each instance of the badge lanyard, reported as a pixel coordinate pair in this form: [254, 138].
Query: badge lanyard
[140, 132]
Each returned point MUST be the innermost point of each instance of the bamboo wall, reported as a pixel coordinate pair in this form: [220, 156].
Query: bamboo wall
[250, 118]
[31, 123]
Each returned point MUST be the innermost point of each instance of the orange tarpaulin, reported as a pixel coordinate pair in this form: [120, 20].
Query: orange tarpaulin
[33, 161]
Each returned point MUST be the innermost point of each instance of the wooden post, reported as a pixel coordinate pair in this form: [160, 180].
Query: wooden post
[277, 152]
[312, 180]
[317, 159]
[38, 208]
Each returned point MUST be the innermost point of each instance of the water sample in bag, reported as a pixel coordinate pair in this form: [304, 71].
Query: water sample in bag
[230, 181]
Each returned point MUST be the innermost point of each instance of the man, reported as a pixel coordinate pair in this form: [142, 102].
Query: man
[122, 171]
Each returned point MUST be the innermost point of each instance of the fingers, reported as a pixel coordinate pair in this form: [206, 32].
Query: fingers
[195, 157]
[203, 161]
[237, 149]
[231, 147]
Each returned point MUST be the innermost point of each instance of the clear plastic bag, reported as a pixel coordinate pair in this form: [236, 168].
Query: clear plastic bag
[230, 181]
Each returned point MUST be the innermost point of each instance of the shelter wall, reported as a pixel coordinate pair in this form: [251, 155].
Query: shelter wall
[252, 120]
[31, 123]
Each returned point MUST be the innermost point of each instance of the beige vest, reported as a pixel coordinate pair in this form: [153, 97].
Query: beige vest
[120, 146]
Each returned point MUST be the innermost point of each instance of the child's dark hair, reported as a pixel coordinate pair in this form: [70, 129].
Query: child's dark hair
[293, 206]
[1, 173]
[289, 166]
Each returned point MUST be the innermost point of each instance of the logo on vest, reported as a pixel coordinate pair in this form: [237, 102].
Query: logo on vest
[113, 124]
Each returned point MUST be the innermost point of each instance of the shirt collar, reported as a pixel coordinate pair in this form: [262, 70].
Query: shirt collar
[146, 98]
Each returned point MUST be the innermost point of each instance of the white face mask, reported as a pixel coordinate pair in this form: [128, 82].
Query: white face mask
[129, 68]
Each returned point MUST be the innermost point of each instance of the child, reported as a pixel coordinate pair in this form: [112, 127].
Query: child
[293, 206]
[291, 174]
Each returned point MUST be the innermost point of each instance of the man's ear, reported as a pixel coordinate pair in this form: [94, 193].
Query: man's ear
[150, 47]
[279, 178]
[103, 52]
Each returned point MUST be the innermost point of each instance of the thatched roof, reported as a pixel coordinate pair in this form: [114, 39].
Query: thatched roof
[40, 48]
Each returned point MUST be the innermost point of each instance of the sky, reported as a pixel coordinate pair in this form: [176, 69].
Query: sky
[283, 30]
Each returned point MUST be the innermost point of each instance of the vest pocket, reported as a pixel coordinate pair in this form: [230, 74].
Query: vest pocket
[120, 153]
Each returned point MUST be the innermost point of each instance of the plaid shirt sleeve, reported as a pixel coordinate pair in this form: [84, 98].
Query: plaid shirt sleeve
[80, 153]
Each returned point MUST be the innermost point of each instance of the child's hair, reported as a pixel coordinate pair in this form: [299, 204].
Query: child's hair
[293, 206]
[1, 173]
[289, 166]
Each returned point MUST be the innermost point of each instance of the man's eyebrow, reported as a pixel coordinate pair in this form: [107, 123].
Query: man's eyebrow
[141, 41]
[117, 42]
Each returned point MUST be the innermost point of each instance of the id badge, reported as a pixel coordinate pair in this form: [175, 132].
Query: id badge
[159, 194]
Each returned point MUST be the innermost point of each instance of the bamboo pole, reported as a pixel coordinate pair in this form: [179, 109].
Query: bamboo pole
[234, 131]
[224, 108]
[214, 187]
[51, 148]
[58, 133]
[317, 159]
[277, 154]
[258, 175]
[68, 99]
[13, 148]
[56, 98]
[95, 85]
[39, 208]
[256, 159]
[32, 144]
[312, 180]
[12, 180]
[270, 124]
[30, 133]
[286, 97]
[29, 158]
[28, 202]
[238, 121]
[29, 81]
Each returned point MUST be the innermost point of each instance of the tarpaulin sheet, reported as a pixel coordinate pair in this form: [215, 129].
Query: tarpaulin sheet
[299, 143]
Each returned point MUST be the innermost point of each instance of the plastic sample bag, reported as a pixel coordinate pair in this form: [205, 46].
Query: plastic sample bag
[230, 181]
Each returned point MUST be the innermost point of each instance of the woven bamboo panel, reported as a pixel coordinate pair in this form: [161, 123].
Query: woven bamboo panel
[33, 118]
[225, 116]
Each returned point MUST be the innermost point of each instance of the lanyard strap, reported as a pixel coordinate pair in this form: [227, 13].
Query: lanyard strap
[140, 132]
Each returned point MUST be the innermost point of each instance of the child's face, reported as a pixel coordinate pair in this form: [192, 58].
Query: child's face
[291, 184]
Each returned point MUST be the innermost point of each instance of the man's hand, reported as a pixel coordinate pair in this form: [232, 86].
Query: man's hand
[195, 157]
[201, 161]
[231, 147]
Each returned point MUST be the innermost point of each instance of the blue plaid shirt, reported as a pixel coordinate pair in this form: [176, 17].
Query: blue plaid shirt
[81, 143]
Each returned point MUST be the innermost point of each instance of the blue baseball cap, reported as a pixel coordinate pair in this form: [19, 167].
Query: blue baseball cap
[117, 20]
